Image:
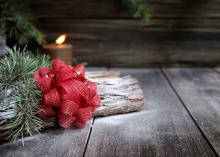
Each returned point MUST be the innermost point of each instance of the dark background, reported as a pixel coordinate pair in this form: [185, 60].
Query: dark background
[103, 32]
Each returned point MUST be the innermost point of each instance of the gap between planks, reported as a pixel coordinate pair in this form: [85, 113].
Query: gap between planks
[93, 119]
[188, 111]
[88, 137]
[181, 101]
[140, 148]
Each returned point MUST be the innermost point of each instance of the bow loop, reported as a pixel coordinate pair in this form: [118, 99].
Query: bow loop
[67, 94]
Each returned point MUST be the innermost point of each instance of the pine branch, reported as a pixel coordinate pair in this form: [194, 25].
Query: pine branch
[25, 120]
[18, 27]
[138, 7]
[18, 64]
[18, 93]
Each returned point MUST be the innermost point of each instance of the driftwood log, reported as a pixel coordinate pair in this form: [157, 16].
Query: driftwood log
[118, 95]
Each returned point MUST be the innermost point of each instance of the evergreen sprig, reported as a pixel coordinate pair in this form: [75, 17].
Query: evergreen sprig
[19, 95]
[18, 26]
[139, 8]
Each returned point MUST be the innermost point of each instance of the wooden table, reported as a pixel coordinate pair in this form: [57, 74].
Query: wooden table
[181, 117]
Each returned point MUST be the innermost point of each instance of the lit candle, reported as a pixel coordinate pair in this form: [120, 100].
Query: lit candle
[59, 50]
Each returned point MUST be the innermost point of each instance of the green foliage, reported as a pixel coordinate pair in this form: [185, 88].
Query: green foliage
[18, 64]
[19, 28]
[18, 93]
[139, 8]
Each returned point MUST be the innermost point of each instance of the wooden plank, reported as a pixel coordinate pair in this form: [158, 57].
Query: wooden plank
[115, 9]
[180, 32]
[217, 69]
[137, 43]
[95, 27]
[54, 142]
[163, 129]
[199, 90]
[2, 38]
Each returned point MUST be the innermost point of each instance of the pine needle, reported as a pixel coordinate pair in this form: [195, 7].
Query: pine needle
[139, 8]
[19, 29]
[16, 69]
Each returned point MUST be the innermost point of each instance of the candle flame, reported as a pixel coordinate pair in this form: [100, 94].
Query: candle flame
[61, 39]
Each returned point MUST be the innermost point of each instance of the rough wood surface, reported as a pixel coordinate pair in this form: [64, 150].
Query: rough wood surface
[139, 43]
[199, 89]
[114, 9]
[180, 32]
[164, 128]
[2, 38]
[217, 69]
[55, 142]
[119, 95]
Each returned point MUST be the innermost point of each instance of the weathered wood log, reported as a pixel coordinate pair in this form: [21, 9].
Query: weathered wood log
[118, 95]
[101, 75]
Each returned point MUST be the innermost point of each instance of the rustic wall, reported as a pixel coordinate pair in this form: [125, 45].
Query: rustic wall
[2, 38]
[104, 32]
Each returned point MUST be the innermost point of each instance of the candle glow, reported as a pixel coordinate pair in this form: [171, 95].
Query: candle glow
[60, 50]
[61, 39]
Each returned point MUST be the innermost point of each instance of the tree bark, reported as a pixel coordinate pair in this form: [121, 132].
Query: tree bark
[118, 95]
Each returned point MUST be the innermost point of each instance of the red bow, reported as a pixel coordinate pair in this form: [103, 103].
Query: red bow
[67, 94]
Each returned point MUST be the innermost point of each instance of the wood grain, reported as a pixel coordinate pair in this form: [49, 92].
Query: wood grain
[137, 43]
[2, 38]
[199, 89]
[180, 32]
[56, 142]
[115, 9]
[119, 95]
[217, 69]
[164, 128]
